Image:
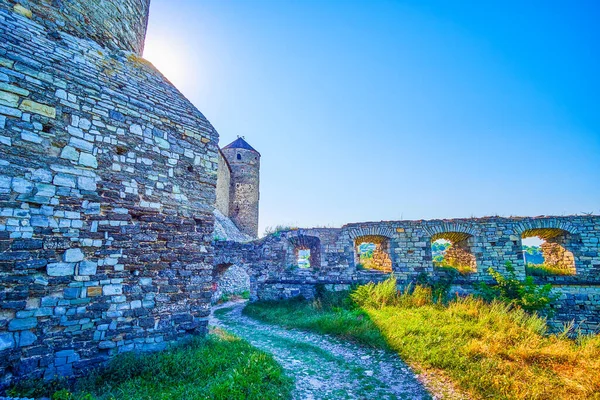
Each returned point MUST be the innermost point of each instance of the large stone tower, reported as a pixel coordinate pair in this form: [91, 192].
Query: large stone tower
[244, 185]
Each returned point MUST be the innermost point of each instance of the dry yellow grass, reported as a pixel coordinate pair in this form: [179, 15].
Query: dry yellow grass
[493, 351]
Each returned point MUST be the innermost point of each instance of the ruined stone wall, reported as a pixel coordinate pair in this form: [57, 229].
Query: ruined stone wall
[223, 185]
[107, 188]
[115, 24]
[489, 242]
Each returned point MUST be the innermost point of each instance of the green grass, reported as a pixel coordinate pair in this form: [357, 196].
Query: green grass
[342, 322]
[221, 366]
[489, 350]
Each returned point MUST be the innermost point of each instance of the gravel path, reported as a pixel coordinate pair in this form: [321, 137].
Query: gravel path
[324, 367]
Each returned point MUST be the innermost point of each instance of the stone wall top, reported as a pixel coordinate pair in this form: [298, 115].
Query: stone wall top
[116, 24]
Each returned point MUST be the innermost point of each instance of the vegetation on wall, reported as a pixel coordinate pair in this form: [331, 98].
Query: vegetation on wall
[276, 230]
[517, 293]
[492, 349]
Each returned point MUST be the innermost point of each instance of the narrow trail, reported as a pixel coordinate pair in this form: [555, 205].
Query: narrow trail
[324, 367]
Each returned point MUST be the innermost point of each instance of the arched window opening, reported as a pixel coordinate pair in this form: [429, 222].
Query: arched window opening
[453, 250]
[303, 258]
[306, 251]
[230, 282]
[438, 251]
[372, 252]
[544, 252]
[239, 156]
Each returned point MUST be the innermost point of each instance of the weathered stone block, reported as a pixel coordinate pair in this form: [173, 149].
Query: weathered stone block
[111, 290]
[9, 99]
[94, 291]
[7, 341]
[38, 108]
[69, 153]
[31, 137]
[26, 338]
[87, 268]
[85, 183]
[11, 112]
[19, 9]
[107, 344]
[65, 180]
[60, 269]
[73, 255]
[71, 293]
[88, 160]
[22, 324]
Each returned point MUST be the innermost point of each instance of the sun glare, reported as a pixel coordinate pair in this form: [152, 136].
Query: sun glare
[168, 58]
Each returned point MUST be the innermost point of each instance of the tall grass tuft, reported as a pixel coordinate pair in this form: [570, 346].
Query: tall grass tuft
[376, 295]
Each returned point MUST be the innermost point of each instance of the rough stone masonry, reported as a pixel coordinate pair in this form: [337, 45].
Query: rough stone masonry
[107, 187]
[274, 271]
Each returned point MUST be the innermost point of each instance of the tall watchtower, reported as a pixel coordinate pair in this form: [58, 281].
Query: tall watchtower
[244, 190]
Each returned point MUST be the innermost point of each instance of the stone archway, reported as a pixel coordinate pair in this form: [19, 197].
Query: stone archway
[459, 254]
[556, 257]
[372, 252]
[230, 281]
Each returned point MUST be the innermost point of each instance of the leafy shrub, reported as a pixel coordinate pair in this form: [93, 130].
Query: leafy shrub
[523, 294]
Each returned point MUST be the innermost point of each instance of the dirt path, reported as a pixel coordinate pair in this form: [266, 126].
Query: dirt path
[324, 367]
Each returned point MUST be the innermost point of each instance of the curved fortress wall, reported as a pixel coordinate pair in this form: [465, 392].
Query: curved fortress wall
[107, 188]
[115, 24]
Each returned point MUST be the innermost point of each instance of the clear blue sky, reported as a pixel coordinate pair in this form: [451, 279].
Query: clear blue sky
[384, 110]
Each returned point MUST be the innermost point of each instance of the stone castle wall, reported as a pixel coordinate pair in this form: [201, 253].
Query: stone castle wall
[107, 188]
[491, 242]
[114, 24]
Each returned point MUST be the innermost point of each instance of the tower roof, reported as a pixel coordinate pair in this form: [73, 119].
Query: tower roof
[240, 143]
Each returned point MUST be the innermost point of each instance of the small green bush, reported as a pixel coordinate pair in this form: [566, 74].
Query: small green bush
[523, 294]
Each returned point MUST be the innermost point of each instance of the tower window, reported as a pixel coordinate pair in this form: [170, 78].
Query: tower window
[239, 156]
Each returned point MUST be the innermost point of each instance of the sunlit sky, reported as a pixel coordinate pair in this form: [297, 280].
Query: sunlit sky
[384, 110]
